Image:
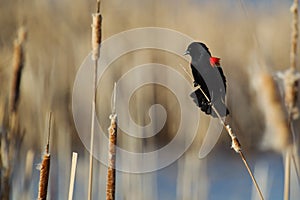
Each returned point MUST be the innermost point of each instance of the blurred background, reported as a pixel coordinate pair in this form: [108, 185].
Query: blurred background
[59, 39]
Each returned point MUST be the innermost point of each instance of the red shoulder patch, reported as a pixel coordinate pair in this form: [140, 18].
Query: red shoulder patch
[214, 61]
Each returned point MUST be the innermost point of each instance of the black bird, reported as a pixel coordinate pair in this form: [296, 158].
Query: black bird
[209, 76]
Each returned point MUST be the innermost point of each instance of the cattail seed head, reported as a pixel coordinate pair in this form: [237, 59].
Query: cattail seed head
[276, 122]
[96, 35]
[290, 80]
[111, 173]
[294, 34]
[44, 177]
[18, 64]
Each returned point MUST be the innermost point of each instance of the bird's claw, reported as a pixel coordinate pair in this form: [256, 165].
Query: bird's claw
[195, 84]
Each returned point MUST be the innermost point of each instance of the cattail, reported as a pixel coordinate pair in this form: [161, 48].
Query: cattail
[44, 177]
[96, 41]
[295, 33]
[111, 173]
[18, 64]
[45, 167]
[96, 33]
[112, 131]
[291, 77]
[274, 113]
[290, 80]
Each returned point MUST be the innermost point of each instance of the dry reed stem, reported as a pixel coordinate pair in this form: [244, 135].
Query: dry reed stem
[287, 174]
[111, 172]
[45, 166]
[72, 176]
[28, 168]
[96, 42]
[18, 64]
[235, 144]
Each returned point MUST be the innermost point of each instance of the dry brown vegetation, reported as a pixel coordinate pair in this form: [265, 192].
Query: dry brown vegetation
[58, 40]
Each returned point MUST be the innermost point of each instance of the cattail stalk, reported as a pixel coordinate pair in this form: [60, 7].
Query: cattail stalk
[45, 167]
[235, 144]
[112, 131]
[291, 79]
[18, 64]
[72, 176]
[96, 42]
[111, 172]
[287, 174]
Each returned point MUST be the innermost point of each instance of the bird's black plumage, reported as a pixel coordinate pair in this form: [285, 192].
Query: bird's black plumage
[209, 76]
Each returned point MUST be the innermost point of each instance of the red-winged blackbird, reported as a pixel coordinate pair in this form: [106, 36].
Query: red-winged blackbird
[209, 75]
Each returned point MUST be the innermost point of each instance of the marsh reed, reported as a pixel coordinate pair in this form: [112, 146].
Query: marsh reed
[18, 65]
[40, 54]
[291, 82]
[96, 41]
[111, 171]
[72, 175]
[45, 166]
[12, 134]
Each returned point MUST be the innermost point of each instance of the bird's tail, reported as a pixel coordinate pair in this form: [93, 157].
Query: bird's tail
[205, 106]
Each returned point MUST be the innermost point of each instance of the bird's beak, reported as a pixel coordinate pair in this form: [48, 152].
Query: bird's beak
[186, 52]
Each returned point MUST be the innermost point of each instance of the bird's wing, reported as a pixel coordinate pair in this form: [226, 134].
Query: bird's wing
[222, 76]
[194, 72]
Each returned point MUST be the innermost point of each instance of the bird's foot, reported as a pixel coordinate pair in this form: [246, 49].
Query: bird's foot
[195, 84]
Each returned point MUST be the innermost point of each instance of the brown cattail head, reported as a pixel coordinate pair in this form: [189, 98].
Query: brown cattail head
[111, 173]
[44, 177]
[290, 79]
[277, 132]
[295, 33]
[96, 35]
[18, 64]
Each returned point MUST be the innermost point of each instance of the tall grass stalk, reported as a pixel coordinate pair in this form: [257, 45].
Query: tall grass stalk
[235, 144]
[72, 176]
[287, 175]
[96, 41]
